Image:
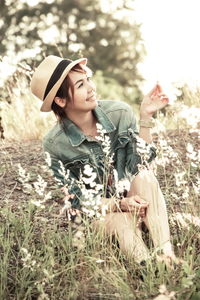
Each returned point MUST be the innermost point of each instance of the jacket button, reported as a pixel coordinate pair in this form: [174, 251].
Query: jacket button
[50, 141]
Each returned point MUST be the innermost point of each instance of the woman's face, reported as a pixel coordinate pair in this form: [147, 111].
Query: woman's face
[83, 98]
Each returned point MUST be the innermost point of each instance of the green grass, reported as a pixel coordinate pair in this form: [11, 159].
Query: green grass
[54, 270]
[38, 260]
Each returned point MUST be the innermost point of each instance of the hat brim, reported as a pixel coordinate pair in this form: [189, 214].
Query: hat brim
[46, 106]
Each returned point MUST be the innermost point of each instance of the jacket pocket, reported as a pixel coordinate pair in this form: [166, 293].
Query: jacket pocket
[122, 141]
[76, 165]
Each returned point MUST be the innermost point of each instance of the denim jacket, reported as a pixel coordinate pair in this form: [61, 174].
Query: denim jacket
[65, 142]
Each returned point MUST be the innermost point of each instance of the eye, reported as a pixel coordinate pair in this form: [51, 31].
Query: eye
[80, 85]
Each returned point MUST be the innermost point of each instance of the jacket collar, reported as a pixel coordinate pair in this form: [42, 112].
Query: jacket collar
[76, 136]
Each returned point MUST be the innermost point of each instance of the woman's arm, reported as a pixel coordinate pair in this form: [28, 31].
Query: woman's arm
[145, 133]
[152, 102]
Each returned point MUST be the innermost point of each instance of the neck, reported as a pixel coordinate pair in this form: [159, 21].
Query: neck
[83, 120]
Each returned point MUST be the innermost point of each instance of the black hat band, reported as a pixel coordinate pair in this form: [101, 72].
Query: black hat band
[56, 75]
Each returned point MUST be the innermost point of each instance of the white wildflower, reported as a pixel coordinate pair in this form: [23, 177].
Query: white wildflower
[193, 155]
[100, 129]
[79, 234]
[166, 154]
[23, 176]
[186, 192]
[99, 261]
[40, 186]
[141, 144]
[120, 185]
[48, 159]
[162, 289]
[191, 115]
[38, 203]
[62, 171]
[78, 240]
[189, 148]
[27, 260]
[90, 180]
[43, 296]
[143, 149]
[180, 178]
[48, 196]
[88, 170]
[27, 188]
[164, 294]
[184, 219]
[105, 143]
[196, 186]
[24, 250]
[123, 185]
[115, 175]
[98, 187]
[104, 210]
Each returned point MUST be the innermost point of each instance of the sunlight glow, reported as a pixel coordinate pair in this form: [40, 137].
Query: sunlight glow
[170, 30]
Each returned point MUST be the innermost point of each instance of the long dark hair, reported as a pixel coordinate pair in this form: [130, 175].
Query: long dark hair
[63, 92]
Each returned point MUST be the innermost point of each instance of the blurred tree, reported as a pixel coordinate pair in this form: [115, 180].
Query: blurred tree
[108, 37]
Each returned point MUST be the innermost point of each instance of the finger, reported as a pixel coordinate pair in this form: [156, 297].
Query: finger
[162, 95]
[140, 205]
[139, 200]
[137, 206]
[141, 212]
[145, 205]
[141, 215]
[159, 88]
[152, 91]
[134, 204]
[164, 98]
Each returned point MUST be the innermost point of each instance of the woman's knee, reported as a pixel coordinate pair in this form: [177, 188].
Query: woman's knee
[143, 183]
[146, 177]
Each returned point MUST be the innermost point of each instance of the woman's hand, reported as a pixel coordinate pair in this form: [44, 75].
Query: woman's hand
[134, 204]
[152, 102]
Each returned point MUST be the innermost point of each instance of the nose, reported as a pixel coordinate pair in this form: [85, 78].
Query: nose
[91, 86]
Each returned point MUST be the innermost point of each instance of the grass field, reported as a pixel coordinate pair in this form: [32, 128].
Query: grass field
[37, 259]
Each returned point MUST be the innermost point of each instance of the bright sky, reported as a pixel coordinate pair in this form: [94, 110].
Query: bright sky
[170, 30]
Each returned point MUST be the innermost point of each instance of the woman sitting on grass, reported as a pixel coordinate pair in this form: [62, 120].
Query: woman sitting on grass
[65, 87]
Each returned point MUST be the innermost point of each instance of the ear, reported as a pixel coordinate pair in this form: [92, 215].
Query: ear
[60, 101]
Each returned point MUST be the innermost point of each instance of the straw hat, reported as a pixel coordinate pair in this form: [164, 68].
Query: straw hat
[49, 76]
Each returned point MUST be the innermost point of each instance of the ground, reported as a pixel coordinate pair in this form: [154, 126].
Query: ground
[30, 155]
[36, 236]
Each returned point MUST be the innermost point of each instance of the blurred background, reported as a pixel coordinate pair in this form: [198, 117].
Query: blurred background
[130, 46]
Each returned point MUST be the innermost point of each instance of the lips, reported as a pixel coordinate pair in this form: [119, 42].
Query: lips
[91, 97]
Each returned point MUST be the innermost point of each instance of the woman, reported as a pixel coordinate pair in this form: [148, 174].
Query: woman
[65, 87]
